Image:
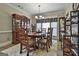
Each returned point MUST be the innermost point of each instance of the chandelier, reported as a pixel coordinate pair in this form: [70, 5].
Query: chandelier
[39, 16]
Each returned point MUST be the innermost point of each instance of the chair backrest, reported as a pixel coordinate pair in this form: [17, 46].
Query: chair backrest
[23, 38]
[49, 34]
[44, 32]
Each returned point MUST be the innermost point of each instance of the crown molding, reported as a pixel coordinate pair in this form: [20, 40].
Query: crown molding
[14, 7]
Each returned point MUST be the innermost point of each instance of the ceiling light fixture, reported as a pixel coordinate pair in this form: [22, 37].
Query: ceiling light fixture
[40, 16]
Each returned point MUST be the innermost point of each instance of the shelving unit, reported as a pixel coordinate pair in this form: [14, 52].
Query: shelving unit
[71, 38]
[19, 22]
[75, 32]
[67, 37]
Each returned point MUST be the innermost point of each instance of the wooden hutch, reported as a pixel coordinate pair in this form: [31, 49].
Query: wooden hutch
[71, 37]
[19, 21]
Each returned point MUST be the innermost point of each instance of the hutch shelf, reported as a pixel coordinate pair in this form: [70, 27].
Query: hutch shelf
[71, 37]
[19, 21]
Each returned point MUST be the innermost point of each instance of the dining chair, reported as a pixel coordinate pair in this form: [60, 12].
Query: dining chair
[49, 34]
[46, 41]
[25, 42]
[44, 32]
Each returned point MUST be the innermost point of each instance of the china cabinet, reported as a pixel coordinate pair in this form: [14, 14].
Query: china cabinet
[71, 38]
[75, 32]
[67, 36]
[19, 21]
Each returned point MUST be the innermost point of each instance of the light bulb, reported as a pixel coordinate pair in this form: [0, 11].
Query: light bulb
[40, 16]
[43, 17]
[36, 17]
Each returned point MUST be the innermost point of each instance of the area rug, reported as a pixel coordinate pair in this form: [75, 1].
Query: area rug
[52, 51]
[14, 51]
[40, 52]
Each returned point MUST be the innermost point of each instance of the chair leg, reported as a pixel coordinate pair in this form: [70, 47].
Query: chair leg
[47, 47]
[28, 52]
[20, 48]
[27, 49]
[38, 45]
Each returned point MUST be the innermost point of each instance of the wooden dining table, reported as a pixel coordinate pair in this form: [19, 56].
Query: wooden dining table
[35, 36]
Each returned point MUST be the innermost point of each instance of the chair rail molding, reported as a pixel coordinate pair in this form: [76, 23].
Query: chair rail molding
[6, 31]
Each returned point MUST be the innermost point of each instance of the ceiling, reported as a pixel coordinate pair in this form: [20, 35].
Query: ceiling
[32, 8]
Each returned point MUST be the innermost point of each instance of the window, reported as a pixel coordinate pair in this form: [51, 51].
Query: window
[38, 27]
[46, 25]
[54, 26]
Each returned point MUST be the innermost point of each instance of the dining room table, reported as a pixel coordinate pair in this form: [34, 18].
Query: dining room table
[35, 36]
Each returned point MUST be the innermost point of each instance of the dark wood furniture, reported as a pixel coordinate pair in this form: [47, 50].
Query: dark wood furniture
[74, 32]
[44, 32]
[71, 38]
[46, 42]
[67, 36]
[75, 6]
[35, 37]
[19, 21]
[25, 41]
[49, 35]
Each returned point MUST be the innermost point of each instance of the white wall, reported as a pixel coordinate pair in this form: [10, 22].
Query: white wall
[6, 23]
[58, 13]
[68, 8]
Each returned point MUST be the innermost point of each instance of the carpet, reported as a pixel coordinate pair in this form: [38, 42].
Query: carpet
[14, 51]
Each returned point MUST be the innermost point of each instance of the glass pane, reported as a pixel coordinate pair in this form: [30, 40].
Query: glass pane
[38, 28]
[75, 19]
[54, 32]
[74, 13]
[74, 52]
[74, 40]
[54, 26]
[75, 29]
[46, 26]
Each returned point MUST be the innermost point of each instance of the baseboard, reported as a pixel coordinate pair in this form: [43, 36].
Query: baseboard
[5, 43]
